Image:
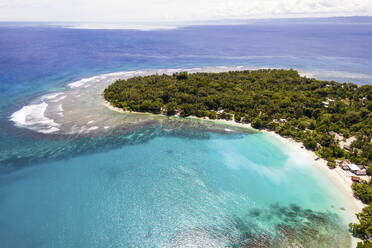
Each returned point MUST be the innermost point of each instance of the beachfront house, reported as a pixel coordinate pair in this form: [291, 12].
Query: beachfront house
[353, 168]
[357, 170]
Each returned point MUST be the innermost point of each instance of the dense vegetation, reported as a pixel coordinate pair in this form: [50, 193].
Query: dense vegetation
[306, 109]
[363, 229]
[309, 110]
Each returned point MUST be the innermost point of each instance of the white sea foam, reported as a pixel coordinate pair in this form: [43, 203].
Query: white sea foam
[336, 74]
[32, 117]
[92, 128]
[55, 97]
[82, 130]
[51, 96]
[85, 82]
[58, 99]
[60, 110]
[114, 75]
[79, 83]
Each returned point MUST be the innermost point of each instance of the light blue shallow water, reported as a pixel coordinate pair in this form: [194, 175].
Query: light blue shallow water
[170, 191]
[149, 187]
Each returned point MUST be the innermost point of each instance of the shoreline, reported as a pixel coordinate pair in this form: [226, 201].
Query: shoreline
[338, 176]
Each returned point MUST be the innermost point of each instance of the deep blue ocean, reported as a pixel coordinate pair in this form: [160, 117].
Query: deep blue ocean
[166, 183]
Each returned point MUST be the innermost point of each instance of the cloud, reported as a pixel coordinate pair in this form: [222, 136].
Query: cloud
[176, 10]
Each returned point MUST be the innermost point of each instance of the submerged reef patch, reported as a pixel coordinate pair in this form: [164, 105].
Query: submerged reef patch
[276, 226]
[289, 226]
[44, 149]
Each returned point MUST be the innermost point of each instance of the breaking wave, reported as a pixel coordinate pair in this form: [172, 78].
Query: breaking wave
[74, 110]
[32, 117]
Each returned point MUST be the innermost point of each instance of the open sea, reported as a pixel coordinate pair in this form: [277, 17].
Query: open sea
[74, 173]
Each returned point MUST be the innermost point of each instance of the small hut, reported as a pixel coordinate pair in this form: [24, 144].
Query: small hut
[355, 179]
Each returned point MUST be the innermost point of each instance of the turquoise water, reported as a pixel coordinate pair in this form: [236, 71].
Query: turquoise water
[172, 191]
[110, 180]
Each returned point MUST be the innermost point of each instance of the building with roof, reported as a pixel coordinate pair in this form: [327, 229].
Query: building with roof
[353, 167]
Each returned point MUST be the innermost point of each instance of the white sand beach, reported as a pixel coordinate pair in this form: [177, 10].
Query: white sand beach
[338, 176]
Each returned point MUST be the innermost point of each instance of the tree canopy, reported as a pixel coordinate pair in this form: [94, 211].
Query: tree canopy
[309, 110]
[306, 109]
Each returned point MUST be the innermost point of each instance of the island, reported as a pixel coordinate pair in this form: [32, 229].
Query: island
[329, 118]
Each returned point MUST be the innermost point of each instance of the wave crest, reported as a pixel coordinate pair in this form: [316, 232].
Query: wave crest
[33, 117]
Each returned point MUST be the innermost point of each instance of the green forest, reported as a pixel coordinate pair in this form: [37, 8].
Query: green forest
[308, 110]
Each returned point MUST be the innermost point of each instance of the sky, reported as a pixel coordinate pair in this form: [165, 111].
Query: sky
[175, 10]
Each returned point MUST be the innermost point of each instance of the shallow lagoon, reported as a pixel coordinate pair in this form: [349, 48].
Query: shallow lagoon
[140, 180]
[175, 191]
[164, 183]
